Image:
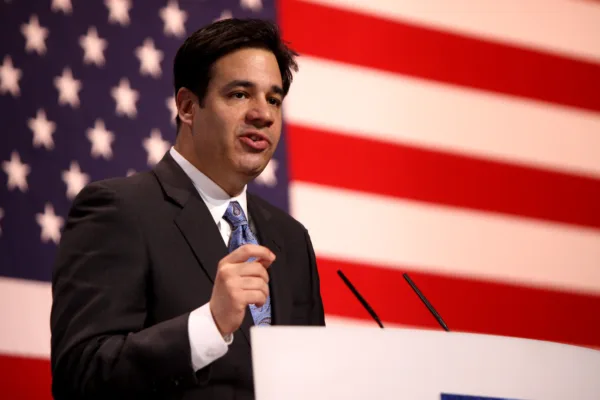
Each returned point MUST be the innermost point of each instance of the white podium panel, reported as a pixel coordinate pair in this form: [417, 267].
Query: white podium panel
[300, 363]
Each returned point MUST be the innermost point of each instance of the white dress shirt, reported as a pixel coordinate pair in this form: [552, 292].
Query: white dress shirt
[206, 343]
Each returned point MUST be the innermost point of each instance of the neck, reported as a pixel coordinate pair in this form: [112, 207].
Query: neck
[230, 185]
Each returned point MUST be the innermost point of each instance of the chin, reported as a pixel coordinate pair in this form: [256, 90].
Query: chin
[252, 166]
[254, 171]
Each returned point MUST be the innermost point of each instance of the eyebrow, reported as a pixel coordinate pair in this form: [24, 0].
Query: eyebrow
[248, 84]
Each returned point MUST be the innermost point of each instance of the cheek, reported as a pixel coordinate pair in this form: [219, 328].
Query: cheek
[227, 120]
[277, 126]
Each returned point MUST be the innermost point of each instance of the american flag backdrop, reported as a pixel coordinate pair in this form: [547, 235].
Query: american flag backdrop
[458, 141]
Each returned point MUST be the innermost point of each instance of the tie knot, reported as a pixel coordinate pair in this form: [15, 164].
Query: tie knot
[235, 215]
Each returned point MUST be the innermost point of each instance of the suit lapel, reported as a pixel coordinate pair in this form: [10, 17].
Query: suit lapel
[281, 300]
[194, 220]
[201, 233]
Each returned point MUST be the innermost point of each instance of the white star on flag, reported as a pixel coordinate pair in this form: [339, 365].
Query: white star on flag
[126, 98]
[150, 58]
[9, 77]
[226, 14]
[254, 5]
[42, 130]
[35, 36]
[1, 216]
[75, 180]
[174, 19]
[50, 223]
[118, 11]
[62, 5]
[101, 140]
[268, 176]
[155, 146]
[17, 172]
[172, 106]
[93, 47]
[68, 88]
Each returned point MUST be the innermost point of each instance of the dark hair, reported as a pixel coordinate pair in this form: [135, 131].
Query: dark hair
[195, 57]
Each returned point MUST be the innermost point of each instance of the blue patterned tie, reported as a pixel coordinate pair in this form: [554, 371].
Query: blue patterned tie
[240, 235]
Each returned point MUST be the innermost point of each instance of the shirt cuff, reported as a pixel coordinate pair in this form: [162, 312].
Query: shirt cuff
[206, 342]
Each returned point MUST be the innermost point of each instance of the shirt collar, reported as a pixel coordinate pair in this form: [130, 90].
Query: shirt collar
[216, 199]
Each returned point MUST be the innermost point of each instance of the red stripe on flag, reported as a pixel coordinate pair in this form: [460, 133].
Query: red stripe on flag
[465, 305]
[442, 178]
[24, 378]
[423, 52]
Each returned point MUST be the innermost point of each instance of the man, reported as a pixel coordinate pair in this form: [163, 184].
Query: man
[159, 276]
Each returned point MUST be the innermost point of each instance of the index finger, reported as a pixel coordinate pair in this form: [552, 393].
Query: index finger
[247, 251]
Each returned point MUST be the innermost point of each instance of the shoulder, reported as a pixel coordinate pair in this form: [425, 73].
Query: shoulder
[115, 195]
[136, 185]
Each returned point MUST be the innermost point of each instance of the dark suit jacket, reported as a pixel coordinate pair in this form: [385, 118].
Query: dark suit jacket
[137, 255]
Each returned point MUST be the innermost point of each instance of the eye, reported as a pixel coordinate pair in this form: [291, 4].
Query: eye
[274, 101]
[238, 95]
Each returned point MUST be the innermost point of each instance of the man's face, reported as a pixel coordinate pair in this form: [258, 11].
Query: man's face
[236, 130]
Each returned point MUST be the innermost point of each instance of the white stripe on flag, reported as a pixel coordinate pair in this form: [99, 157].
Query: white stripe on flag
[25, 316]
[390, 107]
[396, 233]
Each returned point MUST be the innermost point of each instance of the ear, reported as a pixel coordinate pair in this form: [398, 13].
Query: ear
[185, 100]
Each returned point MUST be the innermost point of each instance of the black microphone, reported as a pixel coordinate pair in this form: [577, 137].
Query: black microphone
[360, 298]
[426, 302]
[372, 313]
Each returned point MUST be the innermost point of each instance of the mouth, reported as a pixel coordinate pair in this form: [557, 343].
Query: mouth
[255, 140]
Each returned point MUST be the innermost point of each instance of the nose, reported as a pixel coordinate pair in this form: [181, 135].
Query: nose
[260, 115]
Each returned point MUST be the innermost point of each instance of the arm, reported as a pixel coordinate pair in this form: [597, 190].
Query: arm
[101, 347]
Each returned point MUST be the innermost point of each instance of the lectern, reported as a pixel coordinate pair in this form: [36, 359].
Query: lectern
[301, 363]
